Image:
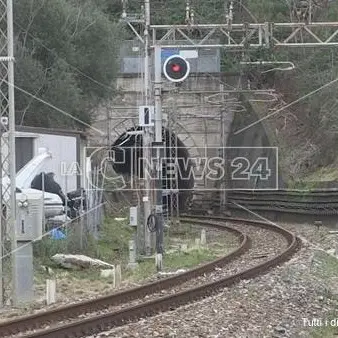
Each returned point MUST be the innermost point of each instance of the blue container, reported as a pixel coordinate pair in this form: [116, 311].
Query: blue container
[165, 53]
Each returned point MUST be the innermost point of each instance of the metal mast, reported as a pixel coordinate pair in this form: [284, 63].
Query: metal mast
[8, 278]
[143, 22]
[147, 137]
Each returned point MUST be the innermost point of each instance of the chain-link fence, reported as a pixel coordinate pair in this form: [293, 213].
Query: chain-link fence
[76, 236]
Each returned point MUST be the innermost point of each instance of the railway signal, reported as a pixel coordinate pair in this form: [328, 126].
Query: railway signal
[176, 68]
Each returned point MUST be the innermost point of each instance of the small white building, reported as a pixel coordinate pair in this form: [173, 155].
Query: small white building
[67, 148]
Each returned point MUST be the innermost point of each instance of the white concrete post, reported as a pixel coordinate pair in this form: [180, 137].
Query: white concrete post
[109, 273]
[203, 237]
[50, 291]
[118, 276]
[158, 262]
[132, 253]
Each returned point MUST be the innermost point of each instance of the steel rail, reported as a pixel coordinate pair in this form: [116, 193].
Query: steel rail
[323, 192]
[35, 321]
[106, 321]
[300, 211]
[274, 200]
[285, 197]
[312, 202]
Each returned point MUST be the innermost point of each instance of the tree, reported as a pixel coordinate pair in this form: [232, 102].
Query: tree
[66, 54]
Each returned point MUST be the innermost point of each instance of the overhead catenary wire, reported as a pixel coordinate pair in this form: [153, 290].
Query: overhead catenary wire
[69, 64]
[55, 108]
[288, 105]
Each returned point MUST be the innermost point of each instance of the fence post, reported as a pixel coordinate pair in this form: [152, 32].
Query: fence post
[118, 276]
[50, 291]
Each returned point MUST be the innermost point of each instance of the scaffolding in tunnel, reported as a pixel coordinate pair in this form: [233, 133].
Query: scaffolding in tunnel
[170, 172]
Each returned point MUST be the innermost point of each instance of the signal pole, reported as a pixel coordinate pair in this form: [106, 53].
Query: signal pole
[147, 138]
[158, 145]
[8, 277]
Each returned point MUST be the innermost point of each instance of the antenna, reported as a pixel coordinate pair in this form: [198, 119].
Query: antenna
[187, 12]
[192, 17]
[229, 12]
[124, 9]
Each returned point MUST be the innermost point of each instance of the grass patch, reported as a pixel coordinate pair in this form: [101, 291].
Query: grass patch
[314, 179]
[112, 247]
[172, 262]
[325, 267]
[303, 185]
[324, 174]
[325, 331]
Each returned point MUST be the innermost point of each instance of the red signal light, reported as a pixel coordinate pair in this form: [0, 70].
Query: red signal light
[176, 68]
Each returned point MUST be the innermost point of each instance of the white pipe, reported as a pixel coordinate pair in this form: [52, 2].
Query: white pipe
[291, 64]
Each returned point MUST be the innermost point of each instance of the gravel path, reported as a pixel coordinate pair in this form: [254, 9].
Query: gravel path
[319, 237]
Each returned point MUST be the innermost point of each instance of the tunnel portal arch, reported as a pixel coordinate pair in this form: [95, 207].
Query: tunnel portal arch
[127, 153]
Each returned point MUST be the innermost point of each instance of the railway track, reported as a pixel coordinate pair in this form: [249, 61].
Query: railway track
[311, 202]
[246, 261]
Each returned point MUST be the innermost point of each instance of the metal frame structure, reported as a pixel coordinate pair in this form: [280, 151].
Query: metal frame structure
[144, 36]
[171, 176]
[8, 280]
[147, 137]
[249, 35]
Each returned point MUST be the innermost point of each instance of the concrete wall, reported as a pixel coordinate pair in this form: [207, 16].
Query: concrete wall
[257, 137]
[177, 105]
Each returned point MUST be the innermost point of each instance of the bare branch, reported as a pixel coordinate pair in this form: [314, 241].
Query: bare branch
[77, 23]
[33, 14]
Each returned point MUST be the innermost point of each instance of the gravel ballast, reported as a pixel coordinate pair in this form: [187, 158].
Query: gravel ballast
[289, 301]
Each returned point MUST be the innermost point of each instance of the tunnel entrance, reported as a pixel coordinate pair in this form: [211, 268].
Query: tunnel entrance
[127, 152]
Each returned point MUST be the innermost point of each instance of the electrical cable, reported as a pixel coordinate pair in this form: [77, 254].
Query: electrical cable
[53, 52]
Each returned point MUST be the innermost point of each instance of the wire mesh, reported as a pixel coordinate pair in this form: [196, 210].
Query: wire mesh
[170, 170]
[6, 221]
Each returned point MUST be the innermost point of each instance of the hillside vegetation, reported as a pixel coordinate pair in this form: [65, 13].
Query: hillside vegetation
[66, 54]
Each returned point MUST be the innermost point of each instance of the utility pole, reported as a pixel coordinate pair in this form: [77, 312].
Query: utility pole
[147, 137]
[158, 145]
[223, 197]
[227, 117]
[7, 166]
[145, 236]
